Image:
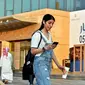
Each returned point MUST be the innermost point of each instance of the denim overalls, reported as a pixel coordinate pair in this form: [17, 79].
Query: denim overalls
[42, 68]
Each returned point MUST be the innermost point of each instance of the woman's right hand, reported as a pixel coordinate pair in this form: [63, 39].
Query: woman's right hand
[48, 47]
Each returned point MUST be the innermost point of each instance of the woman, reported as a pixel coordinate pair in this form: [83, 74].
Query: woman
[44, 53]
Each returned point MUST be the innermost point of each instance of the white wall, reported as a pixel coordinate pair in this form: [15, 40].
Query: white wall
[77, 27]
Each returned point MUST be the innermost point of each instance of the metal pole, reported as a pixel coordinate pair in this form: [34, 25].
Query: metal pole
[74, 60]
[13, 6]
[21, 6]
[4, 7]
[84, 58]
[30, 5]
[38, 4]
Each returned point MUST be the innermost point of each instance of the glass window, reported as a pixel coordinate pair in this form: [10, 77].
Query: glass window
[9, 4]
[61, 4]
[9, 12]
[17, 6]
[68, 5]
[26, 5]
[35, 6]
[83, 4]
[43, 4]
[1, 8]
[9, 7]
[77, 3]
[72, 5]
[52, 4]
[65, 5]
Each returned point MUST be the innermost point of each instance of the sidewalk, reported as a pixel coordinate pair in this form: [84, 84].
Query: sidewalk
[57, 74]
[19, 81]
[56, 79]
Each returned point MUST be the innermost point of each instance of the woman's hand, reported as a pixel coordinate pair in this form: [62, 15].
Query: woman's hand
[62, 68]
[48, 47]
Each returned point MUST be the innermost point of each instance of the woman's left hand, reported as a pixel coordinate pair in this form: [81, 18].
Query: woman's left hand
[62, 68]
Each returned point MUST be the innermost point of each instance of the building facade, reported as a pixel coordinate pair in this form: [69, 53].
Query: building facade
[10, 7]
[15, 33]
[19, 39]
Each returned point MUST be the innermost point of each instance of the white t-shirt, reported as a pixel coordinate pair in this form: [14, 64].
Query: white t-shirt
[36, 39]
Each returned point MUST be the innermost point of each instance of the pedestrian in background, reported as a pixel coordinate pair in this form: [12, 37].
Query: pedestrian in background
[6, 71]
[44, 54]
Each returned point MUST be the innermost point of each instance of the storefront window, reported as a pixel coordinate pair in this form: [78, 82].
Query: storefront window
[24, 47]
[17, 6]
[43, 4]
[1, 8]
[52, 4]
[26, 5]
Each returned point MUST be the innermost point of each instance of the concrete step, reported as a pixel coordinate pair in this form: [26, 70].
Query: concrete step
[69, 77]
[57, 74]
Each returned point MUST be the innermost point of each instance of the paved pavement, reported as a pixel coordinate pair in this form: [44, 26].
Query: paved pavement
[55, 81]
[19, 81]
[72, 79]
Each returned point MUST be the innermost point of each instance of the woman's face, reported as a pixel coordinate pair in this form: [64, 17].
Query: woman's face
[48, 24]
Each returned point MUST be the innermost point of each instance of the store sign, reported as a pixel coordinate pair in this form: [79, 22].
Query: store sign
[77, 28]
[82, 33]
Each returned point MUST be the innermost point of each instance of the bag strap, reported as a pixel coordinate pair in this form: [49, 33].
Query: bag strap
[40, 40]
[27, 58]
[42, 37]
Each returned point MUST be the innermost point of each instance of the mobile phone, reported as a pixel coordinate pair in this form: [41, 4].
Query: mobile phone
[56, 43]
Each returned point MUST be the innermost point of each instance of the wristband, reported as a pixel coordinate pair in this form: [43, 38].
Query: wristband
[43, 49]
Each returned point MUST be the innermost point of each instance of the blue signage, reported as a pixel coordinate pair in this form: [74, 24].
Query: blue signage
[82, 33]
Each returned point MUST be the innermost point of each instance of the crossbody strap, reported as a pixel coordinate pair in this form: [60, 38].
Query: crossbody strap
[40, 40]
[42, 37]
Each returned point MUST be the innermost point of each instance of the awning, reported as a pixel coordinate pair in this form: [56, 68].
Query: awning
[15, 22]
[26, 18]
